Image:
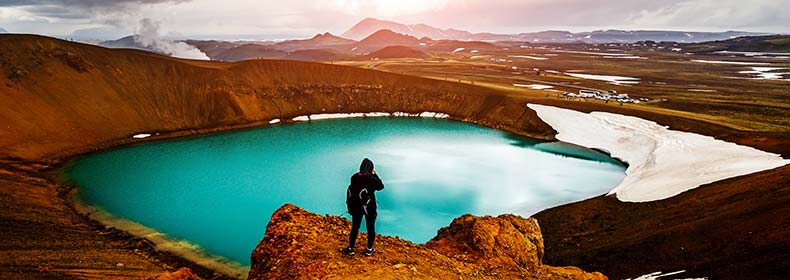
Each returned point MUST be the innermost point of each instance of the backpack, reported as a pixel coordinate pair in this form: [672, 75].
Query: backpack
[357, 199]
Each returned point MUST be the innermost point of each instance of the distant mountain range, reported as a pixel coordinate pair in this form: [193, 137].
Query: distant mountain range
[370, 38]
[321, 47]
[773, 44]
[368, 26]
[128, 42]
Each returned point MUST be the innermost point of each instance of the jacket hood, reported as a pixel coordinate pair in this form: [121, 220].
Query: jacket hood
[366, 166]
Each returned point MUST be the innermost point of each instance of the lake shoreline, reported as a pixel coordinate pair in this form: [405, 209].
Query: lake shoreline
[61, 162]
[104, 179]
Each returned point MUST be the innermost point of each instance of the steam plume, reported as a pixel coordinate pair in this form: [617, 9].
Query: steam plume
[149, 37]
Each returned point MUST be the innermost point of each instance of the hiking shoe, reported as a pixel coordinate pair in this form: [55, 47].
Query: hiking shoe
[369, 252]
[348, 251]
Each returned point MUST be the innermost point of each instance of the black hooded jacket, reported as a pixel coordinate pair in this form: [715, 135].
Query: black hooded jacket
[361, 193]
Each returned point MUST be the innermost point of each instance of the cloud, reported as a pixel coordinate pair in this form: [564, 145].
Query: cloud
[303, 18]
[717, 14]
[81, 3]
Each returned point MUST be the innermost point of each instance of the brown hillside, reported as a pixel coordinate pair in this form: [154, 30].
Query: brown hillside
[61, 97]
[317, 55]
[249, 51]
[396, 52]
[450, 45]
[731, 229]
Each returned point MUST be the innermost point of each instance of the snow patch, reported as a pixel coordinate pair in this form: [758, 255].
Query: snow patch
[615, 80]
[593, 53]
[626, 57]
[730, 62]
[141, 135]
[766, 73]
[274, 121]
[661, 162]
[754, 53]
[533, 86]
[377, 114]
[528, 57]
[658, 274]
[458, 50]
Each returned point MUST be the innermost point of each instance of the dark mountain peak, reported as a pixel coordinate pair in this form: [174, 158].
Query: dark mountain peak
[386, 35]
[384, 38]
[318, 41]
[370, 20]
[322, 35]
[368, 26]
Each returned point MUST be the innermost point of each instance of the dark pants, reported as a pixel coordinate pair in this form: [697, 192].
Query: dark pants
[356, 221]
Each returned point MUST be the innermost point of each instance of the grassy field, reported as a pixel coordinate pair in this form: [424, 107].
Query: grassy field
[674, 83]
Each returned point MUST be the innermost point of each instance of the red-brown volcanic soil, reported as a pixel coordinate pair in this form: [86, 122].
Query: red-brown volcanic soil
[396, 52]
[731, 229]
[61, 99]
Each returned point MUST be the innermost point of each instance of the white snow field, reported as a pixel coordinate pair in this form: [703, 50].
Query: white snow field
[661, 162]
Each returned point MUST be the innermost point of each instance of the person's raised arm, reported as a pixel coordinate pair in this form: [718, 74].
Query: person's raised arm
[377, 184]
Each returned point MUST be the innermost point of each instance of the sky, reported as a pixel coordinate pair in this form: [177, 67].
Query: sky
[260, 19]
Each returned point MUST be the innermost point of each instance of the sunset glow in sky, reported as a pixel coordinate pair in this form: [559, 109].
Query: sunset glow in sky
[303, 18]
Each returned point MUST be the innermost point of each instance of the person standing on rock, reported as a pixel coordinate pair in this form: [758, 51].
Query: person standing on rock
[361, 201]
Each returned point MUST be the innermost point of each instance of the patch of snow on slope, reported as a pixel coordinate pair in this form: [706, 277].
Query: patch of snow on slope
[533, 86]
[659, 275]
[615, 80]
[661, 162]
[767, 73]
[528, 57]
[729, 62]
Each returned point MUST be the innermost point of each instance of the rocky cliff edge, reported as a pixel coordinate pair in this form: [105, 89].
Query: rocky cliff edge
[302, 245]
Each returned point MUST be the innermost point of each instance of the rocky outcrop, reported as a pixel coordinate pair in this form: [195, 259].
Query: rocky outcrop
[302, 245]
[183, 273]
[506, 240]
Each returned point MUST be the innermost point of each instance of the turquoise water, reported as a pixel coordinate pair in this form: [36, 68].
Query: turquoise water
[219, 191]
